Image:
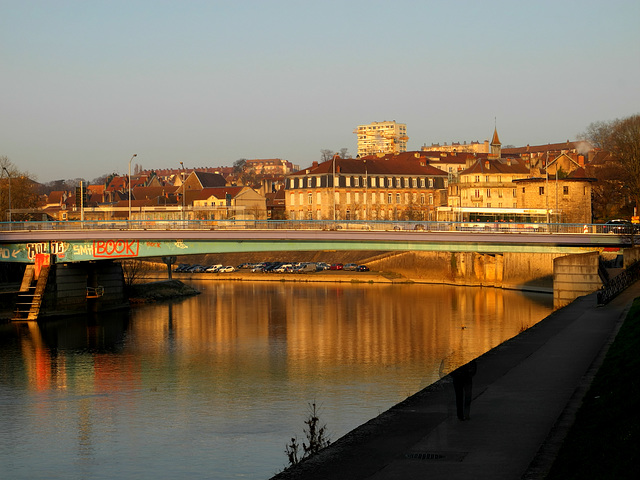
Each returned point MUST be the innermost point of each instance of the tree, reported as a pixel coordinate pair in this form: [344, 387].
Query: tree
[326, 155]
[619, 177]
[22, 189]
[624, 142]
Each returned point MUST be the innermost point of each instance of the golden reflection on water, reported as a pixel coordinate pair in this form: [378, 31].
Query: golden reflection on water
[319, 327]
[220, 381]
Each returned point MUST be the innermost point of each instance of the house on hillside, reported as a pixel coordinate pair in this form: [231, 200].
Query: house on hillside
[190, 189]
[239, 203]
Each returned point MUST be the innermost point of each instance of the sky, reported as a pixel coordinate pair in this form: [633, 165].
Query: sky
[86, 84]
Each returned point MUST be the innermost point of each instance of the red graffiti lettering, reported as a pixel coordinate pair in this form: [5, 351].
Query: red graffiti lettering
[115, 248]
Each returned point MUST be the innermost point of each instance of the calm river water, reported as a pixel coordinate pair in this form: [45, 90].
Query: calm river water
[216, 385]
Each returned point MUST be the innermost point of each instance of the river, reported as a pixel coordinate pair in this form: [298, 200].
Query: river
[215, 386]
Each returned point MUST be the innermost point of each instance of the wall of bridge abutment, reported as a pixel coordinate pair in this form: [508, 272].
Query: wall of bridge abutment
[524, 271]
[84, 287]
[566, 276]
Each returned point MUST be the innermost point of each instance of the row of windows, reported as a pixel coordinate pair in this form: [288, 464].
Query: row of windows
[368, 181]
[487, 179]
[372, 198]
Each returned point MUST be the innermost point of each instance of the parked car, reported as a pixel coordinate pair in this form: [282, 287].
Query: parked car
[214, 268]
[323, 266]
[308, 268]
[350, 266]
[227, 269]
[182, 267]
[336, 266]
[620, 226]
[362, 268]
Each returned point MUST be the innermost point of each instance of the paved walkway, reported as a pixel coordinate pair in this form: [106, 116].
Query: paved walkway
[524, 395]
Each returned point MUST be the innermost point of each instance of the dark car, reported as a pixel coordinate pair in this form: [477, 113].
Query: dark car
[620, 226]
[336, 266]
[362, 268]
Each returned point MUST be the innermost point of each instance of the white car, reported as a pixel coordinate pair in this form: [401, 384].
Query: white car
[226, 270]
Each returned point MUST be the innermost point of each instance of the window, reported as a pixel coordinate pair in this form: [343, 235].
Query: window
[348, 198]
[431, 183]
[348, 180]
[488, 193]
[477, 178]
[430, 199]
[301, 199]
[318, 182]
[422, 199]
[397, 198]
[310, 198]
[398, 182]
[356, 182]
[389, 198]
[319, 199]
[541, 190]
[565, 190]
[293, 199]
[422, 182]
[309, 180]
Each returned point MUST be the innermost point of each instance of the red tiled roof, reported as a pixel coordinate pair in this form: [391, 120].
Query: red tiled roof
[400, 164]
[219, 192]
[506, 166]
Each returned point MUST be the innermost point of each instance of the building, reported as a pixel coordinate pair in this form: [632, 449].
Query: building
[381, 137]
[392, 187]
[239, 203]
[488, 183]
[567, 197]
[472, 147]
[271, 166]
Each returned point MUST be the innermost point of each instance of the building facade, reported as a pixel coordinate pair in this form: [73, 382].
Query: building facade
[398, 187]
[381, 137]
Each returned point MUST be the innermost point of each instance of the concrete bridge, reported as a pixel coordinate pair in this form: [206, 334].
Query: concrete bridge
[71, 265]
[88, 241]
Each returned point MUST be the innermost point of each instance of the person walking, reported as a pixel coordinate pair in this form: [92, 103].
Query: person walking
[462, 385]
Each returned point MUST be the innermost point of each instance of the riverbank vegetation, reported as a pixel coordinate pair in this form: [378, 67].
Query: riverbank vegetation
[604, 441]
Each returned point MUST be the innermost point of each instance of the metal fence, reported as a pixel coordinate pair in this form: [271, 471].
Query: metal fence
[488, 227]
[618, 284]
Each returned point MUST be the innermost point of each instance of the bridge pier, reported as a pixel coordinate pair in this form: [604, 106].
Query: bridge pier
[79, 288]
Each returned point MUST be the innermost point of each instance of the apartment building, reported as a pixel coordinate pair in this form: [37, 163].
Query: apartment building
[488, 183]
[395, 187]
[381, 137]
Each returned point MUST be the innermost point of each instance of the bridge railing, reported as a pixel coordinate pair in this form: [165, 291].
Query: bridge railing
[415, 226]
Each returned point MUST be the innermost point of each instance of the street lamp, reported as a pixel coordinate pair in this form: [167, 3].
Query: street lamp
[9, 177]
[134, 156]
[183, 190]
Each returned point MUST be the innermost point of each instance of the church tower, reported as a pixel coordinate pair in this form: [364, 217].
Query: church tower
[496, 146]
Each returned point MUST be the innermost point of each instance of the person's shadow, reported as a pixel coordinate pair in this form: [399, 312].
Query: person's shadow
[462, 383]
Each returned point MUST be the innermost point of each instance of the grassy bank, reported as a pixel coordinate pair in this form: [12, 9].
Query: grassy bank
[604, 441]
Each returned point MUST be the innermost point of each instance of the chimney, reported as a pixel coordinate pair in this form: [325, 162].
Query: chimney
[581, 160]
[314, 164]
[487, 165]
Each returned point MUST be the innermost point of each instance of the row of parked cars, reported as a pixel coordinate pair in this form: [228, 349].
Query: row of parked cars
[272, 267]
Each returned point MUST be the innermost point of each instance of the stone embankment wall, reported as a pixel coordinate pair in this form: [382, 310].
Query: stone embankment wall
[508, 270]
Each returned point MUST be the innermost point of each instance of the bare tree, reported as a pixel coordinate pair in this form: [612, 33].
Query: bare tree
[326, 155]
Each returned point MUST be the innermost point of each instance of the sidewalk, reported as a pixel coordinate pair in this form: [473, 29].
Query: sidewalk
[524, 395]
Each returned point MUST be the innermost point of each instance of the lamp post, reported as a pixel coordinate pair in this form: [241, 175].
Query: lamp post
[183, 189]
[9, 177]
[134, 156]
[333, 182]
[366, 191]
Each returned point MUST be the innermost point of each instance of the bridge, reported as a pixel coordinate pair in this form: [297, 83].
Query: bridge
[71, 269]
[90, 241]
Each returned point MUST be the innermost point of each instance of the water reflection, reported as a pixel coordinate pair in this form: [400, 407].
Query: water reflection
[220, 382]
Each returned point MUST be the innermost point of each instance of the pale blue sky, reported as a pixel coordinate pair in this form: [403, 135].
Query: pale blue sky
[86, 84]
